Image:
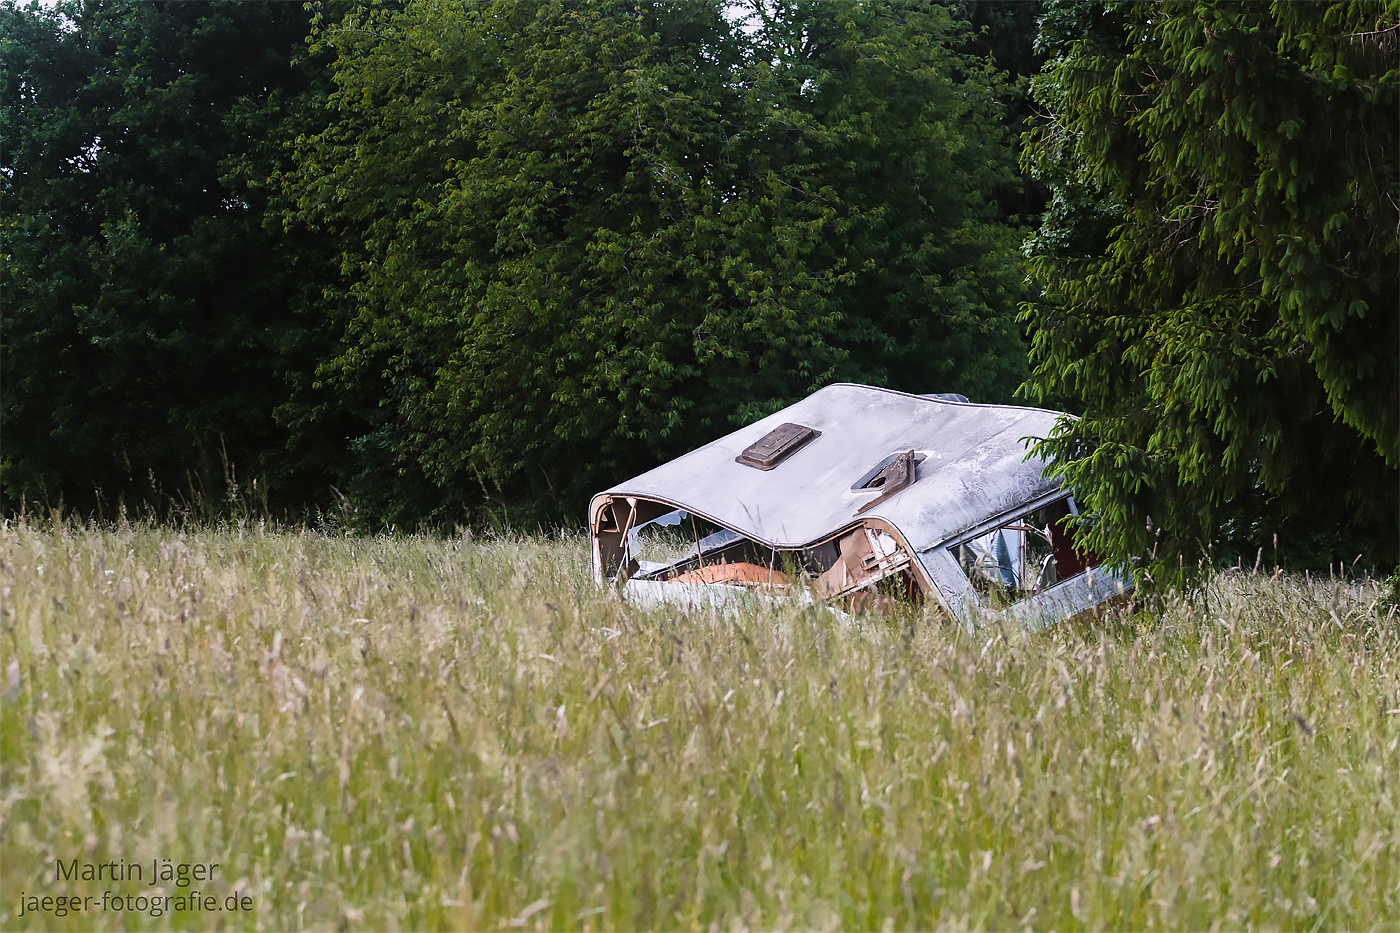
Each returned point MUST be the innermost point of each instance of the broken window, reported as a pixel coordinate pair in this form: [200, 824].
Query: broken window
[675, 539]
[1025, 556]
[687, 548]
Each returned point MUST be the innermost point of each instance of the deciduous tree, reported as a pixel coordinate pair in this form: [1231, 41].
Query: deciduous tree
[582, 237]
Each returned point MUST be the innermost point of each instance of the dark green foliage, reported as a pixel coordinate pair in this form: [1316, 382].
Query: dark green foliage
[580, 238]
[1005, 32]
[528, 249]
[1219, 265]
[148, 326]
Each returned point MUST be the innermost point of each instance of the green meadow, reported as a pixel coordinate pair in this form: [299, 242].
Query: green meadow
[384, 733]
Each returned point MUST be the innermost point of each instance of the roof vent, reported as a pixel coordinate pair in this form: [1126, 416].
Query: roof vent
[776, 446]
[878, 476]
[899, 473]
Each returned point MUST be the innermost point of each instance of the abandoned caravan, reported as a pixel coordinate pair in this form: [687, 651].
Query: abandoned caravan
[858, 495]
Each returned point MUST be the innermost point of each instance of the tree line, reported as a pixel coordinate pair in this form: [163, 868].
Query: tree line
[453, 261]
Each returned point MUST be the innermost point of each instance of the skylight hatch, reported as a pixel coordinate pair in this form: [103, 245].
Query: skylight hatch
[777, 445]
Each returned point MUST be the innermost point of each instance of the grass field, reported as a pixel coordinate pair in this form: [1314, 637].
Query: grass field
[413, 733]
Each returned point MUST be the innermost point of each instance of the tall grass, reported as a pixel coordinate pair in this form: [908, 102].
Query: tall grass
[393, 733]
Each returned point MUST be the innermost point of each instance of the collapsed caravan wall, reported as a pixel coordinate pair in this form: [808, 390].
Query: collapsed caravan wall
[869, 554]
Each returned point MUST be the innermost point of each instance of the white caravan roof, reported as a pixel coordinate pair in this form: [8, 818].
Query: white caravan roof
[974, 468]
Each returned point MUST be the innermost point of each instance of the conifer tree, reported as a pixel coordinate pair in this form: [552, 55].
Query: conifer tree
[1219, 277]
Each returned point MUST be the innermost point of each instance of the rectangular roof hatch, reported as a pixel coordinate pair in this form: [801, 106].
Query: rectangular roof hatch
[776, 446]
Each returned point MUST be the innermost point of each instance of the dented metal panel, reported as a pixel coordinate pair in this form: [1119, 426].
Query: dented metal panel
[1080, 593]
